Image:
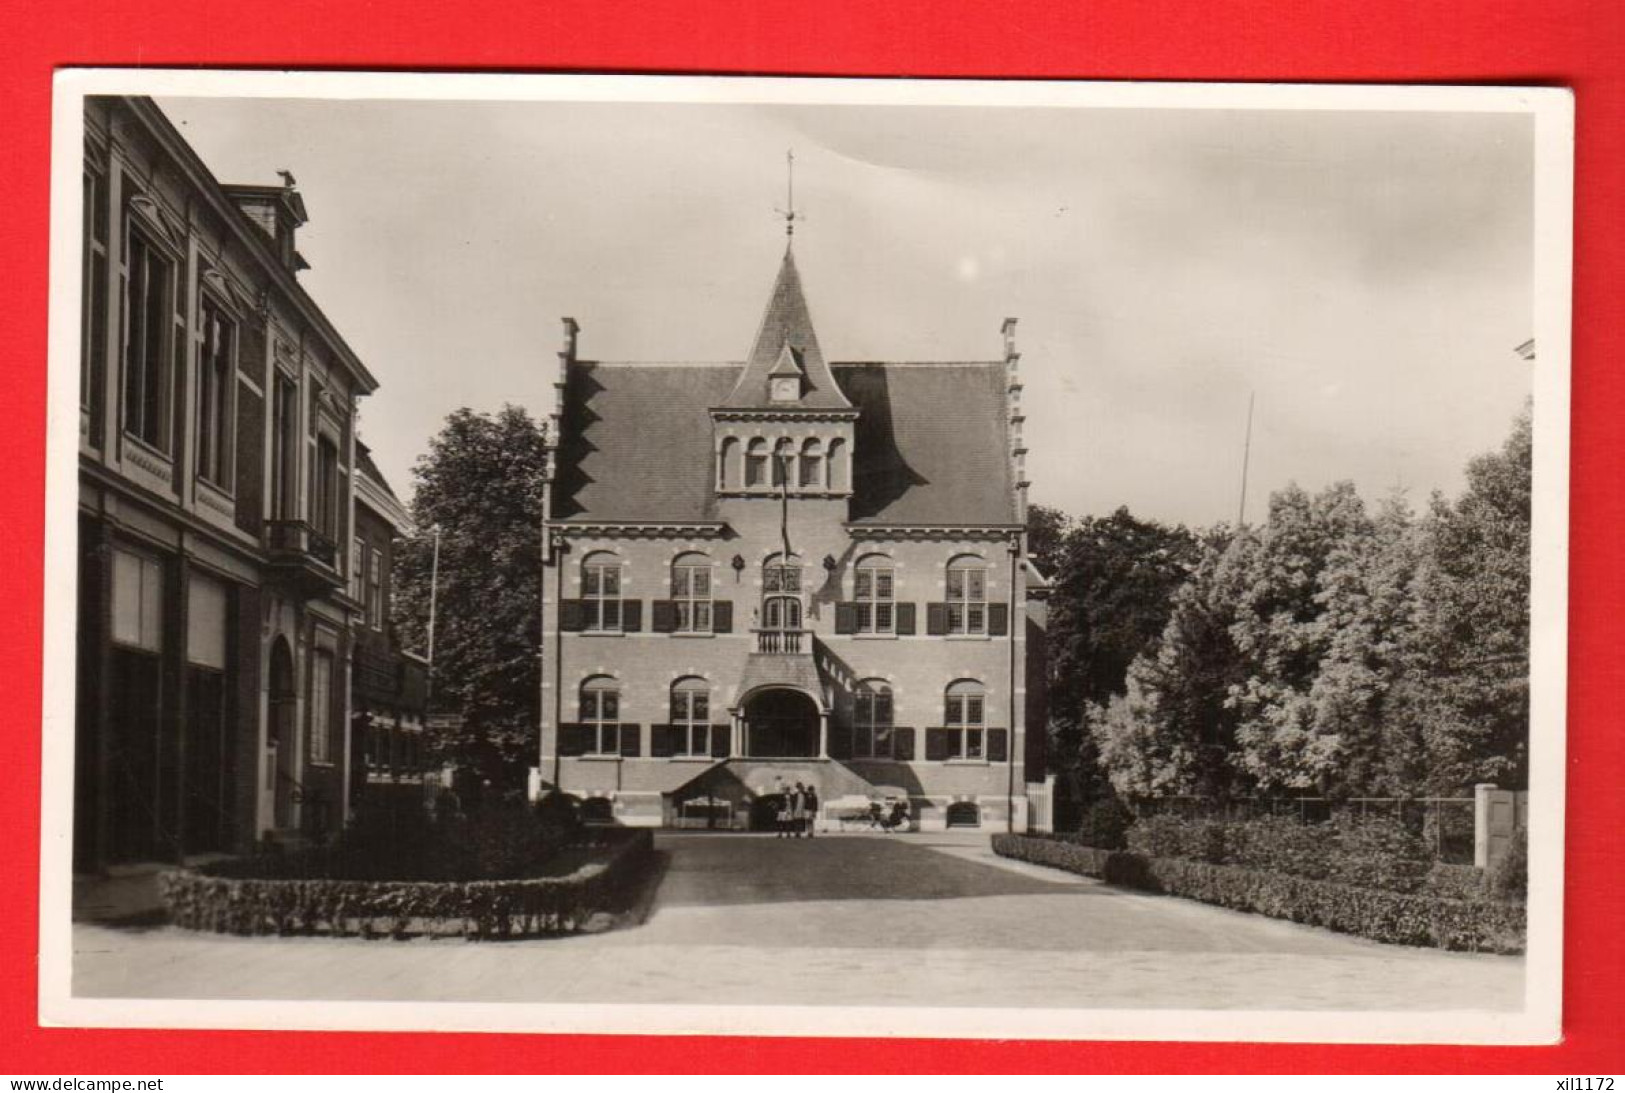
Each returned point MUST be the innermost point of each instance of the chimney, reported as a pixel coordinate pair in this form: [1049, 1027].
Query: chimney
[279, 212]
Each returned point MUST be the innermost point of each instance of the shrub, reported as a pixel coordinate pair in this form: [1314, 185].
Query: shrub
[1380, 853]
[1451, 881]
[1173, 837]
[223, 900]
[1395, 917]
[1508, 878]
[1105, 824]
[1282, 844]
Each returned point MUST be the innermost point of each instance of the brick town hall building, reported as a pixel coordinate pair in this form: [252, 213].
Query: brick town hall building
[790, 569]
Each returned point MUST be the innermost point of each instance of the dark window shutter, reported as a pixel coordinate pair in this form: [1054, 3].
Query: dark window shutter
[631, 740]
[998, 619]
[631, 616]
[571, 616]
[722, 617]
[662, 741]
[905, 618]
[846, 618]
[663, 616]
[936, 619]
[998, 745]
[936, 744]
[719, 740]
[573, 739]
[902, 744]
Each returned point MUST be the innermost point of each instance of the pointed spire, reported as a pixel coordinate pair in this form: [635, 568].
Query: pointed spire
[786, 331]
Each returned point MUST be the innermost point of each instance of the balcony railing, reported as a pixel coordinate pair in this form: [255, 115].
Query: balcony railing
[302, 556]
[298, 538]
[783, 641]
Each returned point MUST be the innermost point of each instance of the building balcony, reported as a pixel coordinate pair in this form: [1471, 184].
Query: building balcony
[784, 641]
[301, 556]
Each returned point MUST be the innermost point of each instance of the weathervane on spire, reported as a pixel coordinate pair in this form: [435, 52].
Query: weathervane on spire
[789, 211]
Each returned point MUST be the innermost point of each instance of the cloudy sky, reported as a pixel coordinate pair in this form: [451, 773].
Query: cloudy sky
[1367, 276]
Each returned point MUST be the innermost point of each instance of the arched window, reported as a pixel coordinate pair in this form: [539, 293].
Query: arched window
[727, 473]
[601, 713]
[872, 591]
[756, 464]
[601, 592]
[781, 593]
[691, 716]
[965, 717]
[812, 465]
[837, 464]
[691, 593]
[967, 596]
[872, 720]
[784, 460]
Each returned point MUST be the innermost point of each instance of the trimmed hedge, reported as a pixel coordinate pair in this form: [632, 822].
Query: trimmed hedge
[207, 899]
[1394, 917]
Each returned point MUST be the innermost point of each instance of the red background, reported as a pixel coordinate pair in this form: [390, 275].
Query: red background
[1565, 42]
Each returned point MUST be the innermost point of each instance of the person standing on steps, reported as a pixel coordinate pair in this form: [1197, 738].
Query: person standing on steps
[798, 809]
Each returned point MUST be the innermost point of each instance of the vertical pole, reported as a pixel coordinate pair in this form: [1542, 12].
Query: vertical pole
[434, 593]
[1246, 458]
[1010, 744]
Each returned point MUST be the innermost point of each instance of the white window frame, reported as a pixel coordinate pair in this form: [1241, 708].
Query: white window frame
[966, 597]
[693, 607]
[216, 377]
[874, 596]
[965, 716]
[601, 708]
[873, 713]
[691, 715]
[602, 581]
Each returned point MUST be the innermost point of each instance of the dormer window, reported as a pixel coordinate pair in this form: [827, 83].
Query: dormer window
[784, 382]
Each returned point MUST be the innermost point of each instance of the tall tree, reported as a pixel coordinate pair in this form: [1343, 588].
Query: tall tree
[1113, 578]
[1283, 632]
[1174, 728]
[480, 484]
[1476, 590]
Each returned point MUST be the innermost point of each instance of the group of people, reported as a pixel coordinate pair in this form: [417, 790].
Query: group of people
[888, 821]
[797, 812]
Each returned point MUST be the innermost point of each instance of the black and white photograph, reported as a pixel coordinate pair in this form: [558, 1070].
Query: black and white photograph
[803, 557]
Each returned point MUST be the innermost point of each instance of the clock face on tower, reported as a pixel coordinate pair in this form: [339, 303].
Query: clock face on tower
[786, 389]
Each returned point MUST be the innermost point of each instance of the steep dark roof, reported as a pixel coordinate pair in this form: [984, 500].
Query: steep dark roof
[931, 442]
[363, 458]
[637, 441]
[786, 322]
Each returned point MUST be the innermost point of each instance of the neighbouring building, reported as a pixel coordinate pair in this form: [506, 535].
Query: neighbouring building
[217, 417]
[389, 692]
[788, 569]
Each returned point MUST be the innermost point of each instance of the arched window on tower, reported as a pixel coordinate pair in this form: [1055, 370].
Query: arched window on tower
[727, 457]
[837, 475]
[812, 464]
[756, 460]
[784, 461]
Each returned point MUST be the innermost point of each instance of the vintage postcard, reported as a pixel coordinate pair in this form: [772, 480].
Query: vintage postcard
[806, 557]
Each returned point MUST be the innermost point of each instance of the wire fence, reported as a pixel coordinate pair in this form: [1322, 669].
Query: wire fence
[1445, 824]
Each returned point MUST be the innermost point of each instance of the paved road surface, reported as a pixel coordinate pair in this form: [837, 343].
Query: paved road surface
[854, 920]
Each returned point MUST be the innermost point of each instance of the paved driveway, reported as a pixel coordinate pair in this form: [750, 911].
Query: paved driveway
[847, 920]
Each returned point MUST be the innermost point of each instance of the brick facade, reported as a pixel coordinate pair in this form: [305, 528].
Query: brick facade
[870, 490]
